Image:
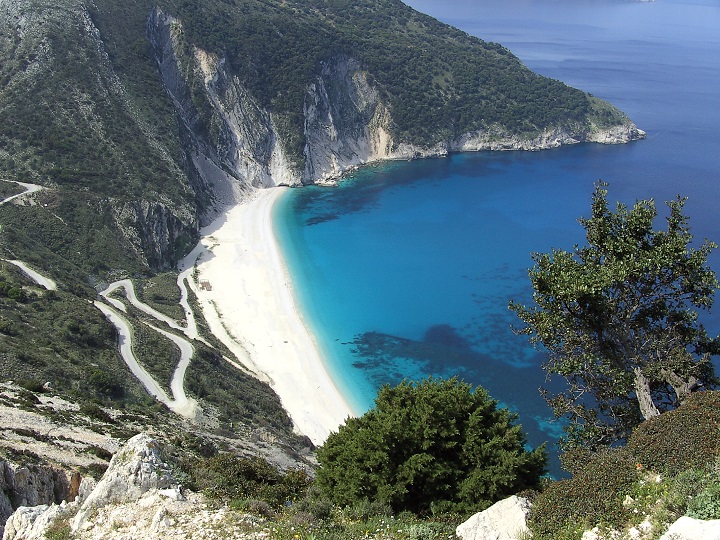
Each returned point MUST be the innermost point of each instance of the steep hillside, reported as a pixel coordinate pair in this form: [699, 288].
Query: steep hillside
[140, 120]
[149, 114]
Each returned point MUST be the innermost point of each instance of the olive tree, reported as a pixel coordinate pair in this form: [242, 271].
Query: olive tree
[619, 319]
[433, 445]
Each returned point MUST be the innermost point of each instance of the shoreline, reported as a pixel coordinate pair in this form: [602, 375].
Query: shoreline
[246, 295]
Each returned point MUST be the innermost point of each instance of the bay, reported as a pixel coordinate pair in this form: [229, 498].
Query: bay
[405, 270]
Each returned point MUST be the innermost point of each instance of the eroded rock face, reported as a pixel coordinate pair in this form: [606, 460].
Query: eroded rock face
[687, 528]
[157, 232]
[505, 520]
[30, 485]
[346, 122]
[136, 469]
[30, 523]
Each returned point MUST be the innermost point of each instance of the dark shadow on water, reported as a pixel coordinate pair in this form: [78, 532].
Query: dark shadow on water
[445, 335]
[444, 352]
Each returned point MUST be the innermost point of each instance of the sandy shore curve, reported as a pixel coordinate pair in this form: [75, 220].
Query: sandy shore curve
[245, 292]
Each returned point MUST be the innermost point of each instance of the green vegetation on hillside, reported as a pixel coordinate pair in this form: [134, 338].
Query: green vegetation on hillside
[84, 112]
[69, 234]
[8, 189]
[669, 468]
[440, 82]
[74, 115]
[59, 337]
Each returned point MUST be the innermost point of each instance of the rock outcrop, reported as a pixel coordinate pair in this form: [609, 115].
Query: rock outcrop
[32, 522]
[498, 139]
[136, 469]
[346, 122]
[159, 234]
[30, 485]
[504, 520]
[687, 528]
[136, 498]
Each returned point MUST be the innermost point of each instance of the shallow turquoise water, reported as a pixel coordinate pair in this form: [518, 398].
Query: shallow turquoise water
[406, 268]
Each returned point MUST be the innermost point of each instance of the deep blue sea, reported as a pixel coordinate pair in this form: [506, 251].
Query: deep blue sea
[406, 268]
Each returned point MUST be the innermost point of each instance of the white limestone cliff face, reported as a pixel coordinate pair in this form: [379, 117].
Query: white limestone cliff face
[243, 149]
[346, 123]
[499, 139]
[248, 144]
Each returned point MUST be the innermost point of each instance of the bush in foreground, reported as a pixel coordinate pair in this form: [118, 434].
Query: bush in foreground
[681, 439]
[594, 495]
[670, 467]
[435, 446]
[232, 478]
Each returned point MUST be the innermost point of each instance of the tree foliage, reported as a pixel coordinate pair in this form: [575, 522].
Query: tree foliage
[619, 319]
[434, 445]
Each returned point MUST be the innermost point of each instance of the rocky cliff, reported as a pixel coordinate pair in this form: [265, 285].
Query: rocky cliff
[161, 117]
[137, 497]
[72, 122]
[346, 121]
[31, 485]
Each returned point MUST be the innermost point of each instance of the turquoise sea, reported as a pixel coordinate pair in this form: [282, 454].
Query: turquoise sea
[406, 268]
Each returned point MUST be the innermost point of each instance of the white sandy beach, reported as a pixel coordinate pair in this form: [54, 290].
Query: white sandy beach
[246, 296]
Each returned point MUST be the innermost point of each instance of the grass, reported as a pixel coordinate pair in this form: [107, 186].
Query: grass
[156, 353]
[8, 189]
[162, 293]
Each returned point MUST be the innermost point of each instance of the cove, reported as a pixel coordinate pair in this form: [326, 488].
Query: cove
[406, 268]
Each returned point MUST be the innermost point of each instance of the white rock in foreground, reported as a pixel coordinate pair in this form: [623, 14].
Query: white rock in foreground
[504, 520]
[31, 522]
[687, 528]
[136, 469]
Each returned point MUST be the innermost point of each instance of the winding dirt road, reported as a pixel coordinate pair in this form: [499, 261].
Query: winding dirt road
[29, 188]
[180, 403]
[41, 280]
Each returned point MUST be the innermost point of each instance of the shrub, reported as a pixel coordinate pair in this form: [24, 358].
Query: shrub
[683, 488]
[33, 385]
[685, 438]
[431, 444]
[59, 530]
[706, 505]
[229, 477]
[94, 411]
[100, 452]
[593, 496]
[366, 509]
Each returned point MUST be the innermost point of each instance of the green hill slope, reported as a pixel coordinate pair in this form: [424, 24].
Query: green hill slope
[133, 115]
